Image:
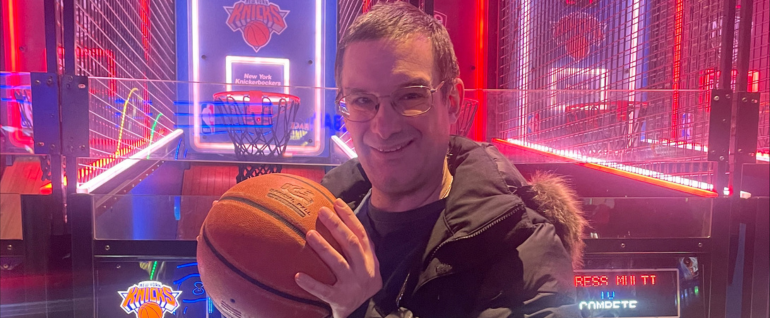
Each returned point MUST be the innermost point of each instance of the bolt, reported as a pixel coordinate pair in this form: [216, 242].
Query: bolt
[37, 82]
[716, 98]
[82, 147]
[751, 154]
[118, 266]
[9, 247]
[622, 245]
[700, 244]
[6, 266]
[106, 247]
[721, 158]
[740, 150]
[49, 81]
[728, 96]
[754, 101]
[745, 99]
[81, 86]
[40, 144]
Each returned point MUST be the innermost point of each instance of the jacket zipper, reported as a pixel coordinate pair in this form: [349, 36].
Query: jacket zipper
[403, 287]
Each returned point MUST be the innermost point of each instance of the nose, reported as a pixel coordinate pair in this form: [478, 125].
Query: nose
[387, 121]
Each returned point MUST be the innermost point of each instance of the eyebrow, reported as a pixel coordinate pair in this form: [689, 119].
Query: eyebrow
[412, 82]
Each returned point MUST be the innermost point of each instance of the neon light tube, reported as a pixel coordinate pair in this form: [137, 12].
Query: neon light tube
[640, 174]
[345, 148]
[290, 150]
[110, 173]
[229, 60]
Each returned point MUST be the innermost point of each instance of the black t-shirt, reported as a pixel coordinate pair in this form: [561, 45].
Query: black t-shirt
[399, 240]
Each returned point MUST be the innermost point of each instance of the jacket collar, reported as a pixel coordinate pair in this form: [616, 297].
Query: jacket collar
[481, 191]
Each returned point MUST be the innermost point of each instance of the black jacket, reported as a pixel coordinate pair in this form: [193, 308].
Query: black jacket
[501, 248]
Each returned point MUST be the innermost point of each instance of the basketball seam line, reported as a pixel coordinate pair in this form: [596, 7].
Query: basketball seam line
[276, 216]
[312, 186]
[257, 282]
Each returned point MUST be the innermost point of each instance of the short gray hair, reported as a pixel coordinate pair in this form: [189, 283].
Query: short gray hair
[400, 20]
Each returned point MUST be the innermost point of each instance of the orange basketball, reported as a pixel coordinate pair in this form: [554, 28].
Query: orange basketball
[256, 34]
[150, 310]
[252, 243]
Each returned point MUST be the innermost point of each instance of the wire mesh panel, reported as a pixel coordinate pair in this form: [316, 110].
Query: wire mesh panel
[129, 39]
[610, 78]
[120, 126]
[759, 70]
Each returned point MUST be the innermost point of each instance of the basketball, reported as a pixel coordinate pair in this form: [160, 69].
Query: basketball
[256, 34]
[150, 310]
[252, 243]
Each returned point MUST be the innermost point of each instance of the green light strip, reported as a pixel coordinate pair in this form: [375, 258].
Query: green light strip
[153, 132]
[152, 273]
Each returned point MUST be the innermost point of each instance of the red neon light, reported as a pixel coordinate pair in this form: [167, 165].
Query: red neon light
[618, 172]
[708, 79]
[620, 280]
[97, 166]
[591, 281]
[678, 25]
[11, 45]
[480, 121]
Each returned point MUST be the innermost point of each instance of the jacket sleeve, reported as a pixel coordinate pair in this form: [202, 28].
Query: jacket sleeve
[545, 288]
[535, 282]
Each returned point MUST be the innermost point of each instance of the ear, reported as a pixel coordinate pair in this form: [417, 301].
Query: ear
[455, 98]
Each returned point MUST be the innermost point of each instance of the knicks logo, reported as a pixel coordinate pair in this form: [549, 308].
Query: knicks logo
[257, 20]
[149, 299]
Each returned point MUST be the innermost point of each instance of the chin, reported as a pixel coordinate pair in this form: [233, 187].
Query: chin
[394, 182]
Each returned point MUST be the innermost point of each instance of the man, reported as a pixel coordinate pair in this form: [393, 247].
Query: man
[443, 227]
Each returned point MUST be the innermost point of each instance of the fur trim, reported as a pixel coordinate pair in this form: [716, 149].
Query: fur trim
[561, 206]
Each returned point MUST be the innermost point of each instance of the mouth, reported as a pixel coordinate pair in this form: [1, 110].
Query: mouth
[392, 149]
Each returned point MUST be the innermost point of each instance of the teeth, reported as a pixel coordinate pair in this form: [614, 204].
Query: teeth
[392, 150]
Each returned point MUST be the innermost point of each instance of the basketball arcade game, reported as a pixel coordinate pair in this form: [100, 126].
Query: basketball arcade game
[626, 98]
[148, 132]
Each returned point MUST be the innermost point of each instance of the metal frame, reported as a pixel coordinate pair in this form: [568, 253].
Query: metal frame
[72, 140]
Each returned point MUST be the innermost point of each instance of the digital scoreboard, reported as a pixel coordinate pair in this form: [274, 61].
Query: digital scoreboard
[628, 292]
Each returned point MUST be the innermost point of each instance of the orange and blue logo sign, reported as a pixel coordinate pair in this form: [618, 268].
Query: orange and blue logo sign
[149, 299]
[257, 20]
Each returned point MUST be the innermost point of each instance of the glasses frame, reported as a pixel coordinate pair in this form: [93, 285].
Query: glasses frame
[392, 103]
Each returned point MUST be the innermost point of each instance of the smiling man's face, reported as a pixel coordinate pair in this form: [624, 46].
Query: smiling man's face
[399, 154]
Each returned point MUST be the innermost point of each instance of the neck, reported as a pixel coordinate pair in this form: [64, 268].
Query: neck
[400, 202]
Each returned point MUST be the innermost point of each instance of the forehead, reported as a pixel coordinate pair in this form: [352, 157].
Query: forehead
[383, 64]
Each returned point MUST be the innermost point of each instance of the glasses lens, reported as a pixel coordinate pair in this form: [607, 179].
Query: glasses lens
[413, 101]
[359, 106]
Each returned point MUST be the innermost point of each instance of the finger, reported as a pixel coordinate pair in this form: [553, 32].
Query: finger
[349, 218]
[314, 287]
[349, 242]
[337, 264]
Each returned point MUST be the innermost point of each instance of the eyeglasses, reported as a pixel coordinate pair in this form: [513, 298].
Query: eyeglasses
[408, 101]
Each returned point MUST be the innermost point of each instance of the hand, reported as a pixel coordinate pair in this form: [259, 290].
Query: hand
[358, 272]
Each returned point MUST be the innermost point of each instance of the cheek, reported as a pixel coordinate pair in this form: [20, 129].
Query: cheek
[356, 132]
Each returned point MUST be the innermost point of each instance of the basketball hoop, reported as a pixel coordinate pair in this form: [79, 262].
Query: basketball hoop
[465, 117]
[259, 124]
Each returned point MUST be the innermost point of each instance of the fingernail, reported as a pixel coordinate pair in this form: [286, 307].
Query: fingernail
[340, 203]
[324, 213]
